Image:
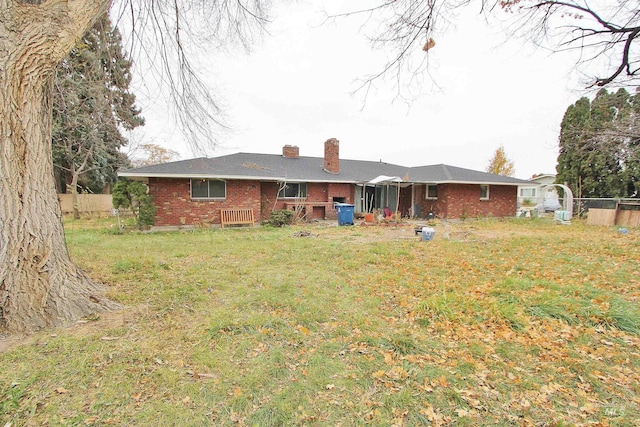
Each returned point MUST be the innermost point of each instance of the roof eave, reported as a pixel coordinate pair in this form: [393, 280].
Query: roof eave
[143, 176]
[515, 184]
[133, 175]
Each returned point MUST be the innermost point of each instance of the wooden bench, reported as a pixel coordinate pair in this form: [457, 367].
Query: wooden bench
[236, 217]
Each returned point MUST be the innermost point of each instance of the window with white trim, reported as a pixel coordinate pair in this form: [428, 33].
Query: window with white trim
[293, 190]
[431, 191]
[484, 192]
[208, 189]
[527, 192]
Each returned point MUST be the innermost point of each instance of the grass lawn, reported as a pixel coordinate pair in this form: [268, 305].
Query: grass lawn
[505, 323]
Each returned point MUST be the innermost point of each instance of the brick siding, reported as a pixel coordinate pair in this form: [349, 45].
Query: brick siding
[172, 198]
[463, 200]
[174, 205]
[320, 192]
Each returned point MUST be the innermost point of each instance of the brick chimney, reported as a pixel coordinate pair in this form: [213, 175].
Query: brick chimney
[331, 156]
[291, 151]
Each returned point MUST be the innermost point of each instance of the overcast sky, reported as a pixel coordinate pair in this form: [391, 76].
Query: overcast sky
[297, 88]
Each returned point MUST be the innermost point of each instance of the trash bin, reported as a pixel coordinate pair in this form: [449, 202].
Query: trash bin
[345, 213]
[427, 233]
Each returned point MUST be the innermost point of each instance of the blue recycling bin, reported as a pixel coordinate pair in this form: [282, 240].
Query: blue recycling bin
[345, 213]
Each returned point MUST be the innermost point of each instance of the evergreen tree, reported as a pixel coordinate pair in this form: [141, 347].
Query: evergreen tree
[626, 132]
[92, 104]
[599, 146]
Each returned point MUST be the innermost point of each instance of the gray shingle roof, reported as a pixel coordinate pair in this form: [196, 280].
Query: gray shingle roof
[437, 174]
[273, 167]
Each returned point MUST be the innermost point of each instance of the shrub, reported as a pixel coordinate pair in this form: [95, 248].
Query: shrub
[146, 212]
[280, 217]
[133, 195]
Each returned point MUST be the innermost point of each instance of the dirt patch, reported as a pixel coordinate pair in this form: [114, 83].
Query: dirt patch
[362, 232]
[6, 342]
[102, 322]
[454, 230]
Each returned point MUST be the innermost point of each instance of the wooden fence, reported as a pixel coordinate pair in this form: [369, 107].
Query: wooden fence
[87, 203]
[625, 214]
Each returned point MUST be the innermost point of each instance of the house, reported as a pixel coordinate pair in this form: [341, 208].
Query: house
[194, 191]
[539, 189]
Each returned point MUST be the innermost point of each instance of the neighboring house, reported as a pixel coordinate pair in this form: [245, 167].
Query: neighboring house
[193, 191]
[538, 190]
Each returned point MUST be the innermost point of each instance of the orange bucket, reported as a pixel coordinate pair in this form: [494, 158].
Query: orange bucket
[368, 217]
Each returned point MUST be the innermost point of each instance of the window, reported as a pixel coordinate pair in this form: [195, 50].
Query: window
[527, 192]
[208, 189]
[293, 190]
[431, 191]
[484, 192]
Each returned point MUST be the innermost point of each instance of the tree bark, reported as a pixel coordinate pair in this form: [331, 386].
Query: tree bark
[75, 175]
[39, 285]
[74, 197]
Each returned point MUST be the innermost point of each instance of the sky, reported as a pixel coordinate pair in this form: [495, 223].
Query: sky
[298, 87]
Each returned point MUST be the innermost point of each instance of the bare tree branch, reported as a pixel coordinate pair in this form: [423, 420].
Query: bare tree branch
[597, 30]
[172, 39]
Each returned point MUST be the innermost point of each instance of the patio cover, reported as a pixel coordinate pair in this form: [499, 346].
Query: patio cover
[384, 179]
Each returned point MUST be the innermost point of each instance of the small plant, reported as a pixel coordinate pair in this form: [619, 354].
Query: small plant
[202, 225]
[281, 217]
[112, 230]
[464, 215]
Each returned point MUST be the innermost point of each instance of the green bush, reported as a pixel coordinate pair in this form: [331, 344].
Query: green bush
[146, 212]
[133, 195]
[280, 217]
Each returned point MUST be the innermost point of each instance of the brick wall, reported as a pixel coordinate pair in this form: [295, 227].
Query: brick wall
[459, 200]
[175, 206]
[321, 192]
[345, 191]
[427, 205]
[268, 199]
[172, 199]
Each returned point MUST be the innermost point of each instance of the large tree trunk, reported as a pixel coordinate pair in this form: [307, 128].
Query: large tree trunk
[39, 285]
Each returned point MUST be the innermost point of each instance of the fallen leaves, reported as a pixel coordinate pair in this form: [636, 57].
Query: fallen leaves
[202, 375]
[388, 334]
[237, 391]
[303, 330]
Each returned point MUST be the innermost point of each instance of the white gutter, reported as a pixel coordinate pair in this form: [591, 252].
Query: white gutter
[238, 177]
